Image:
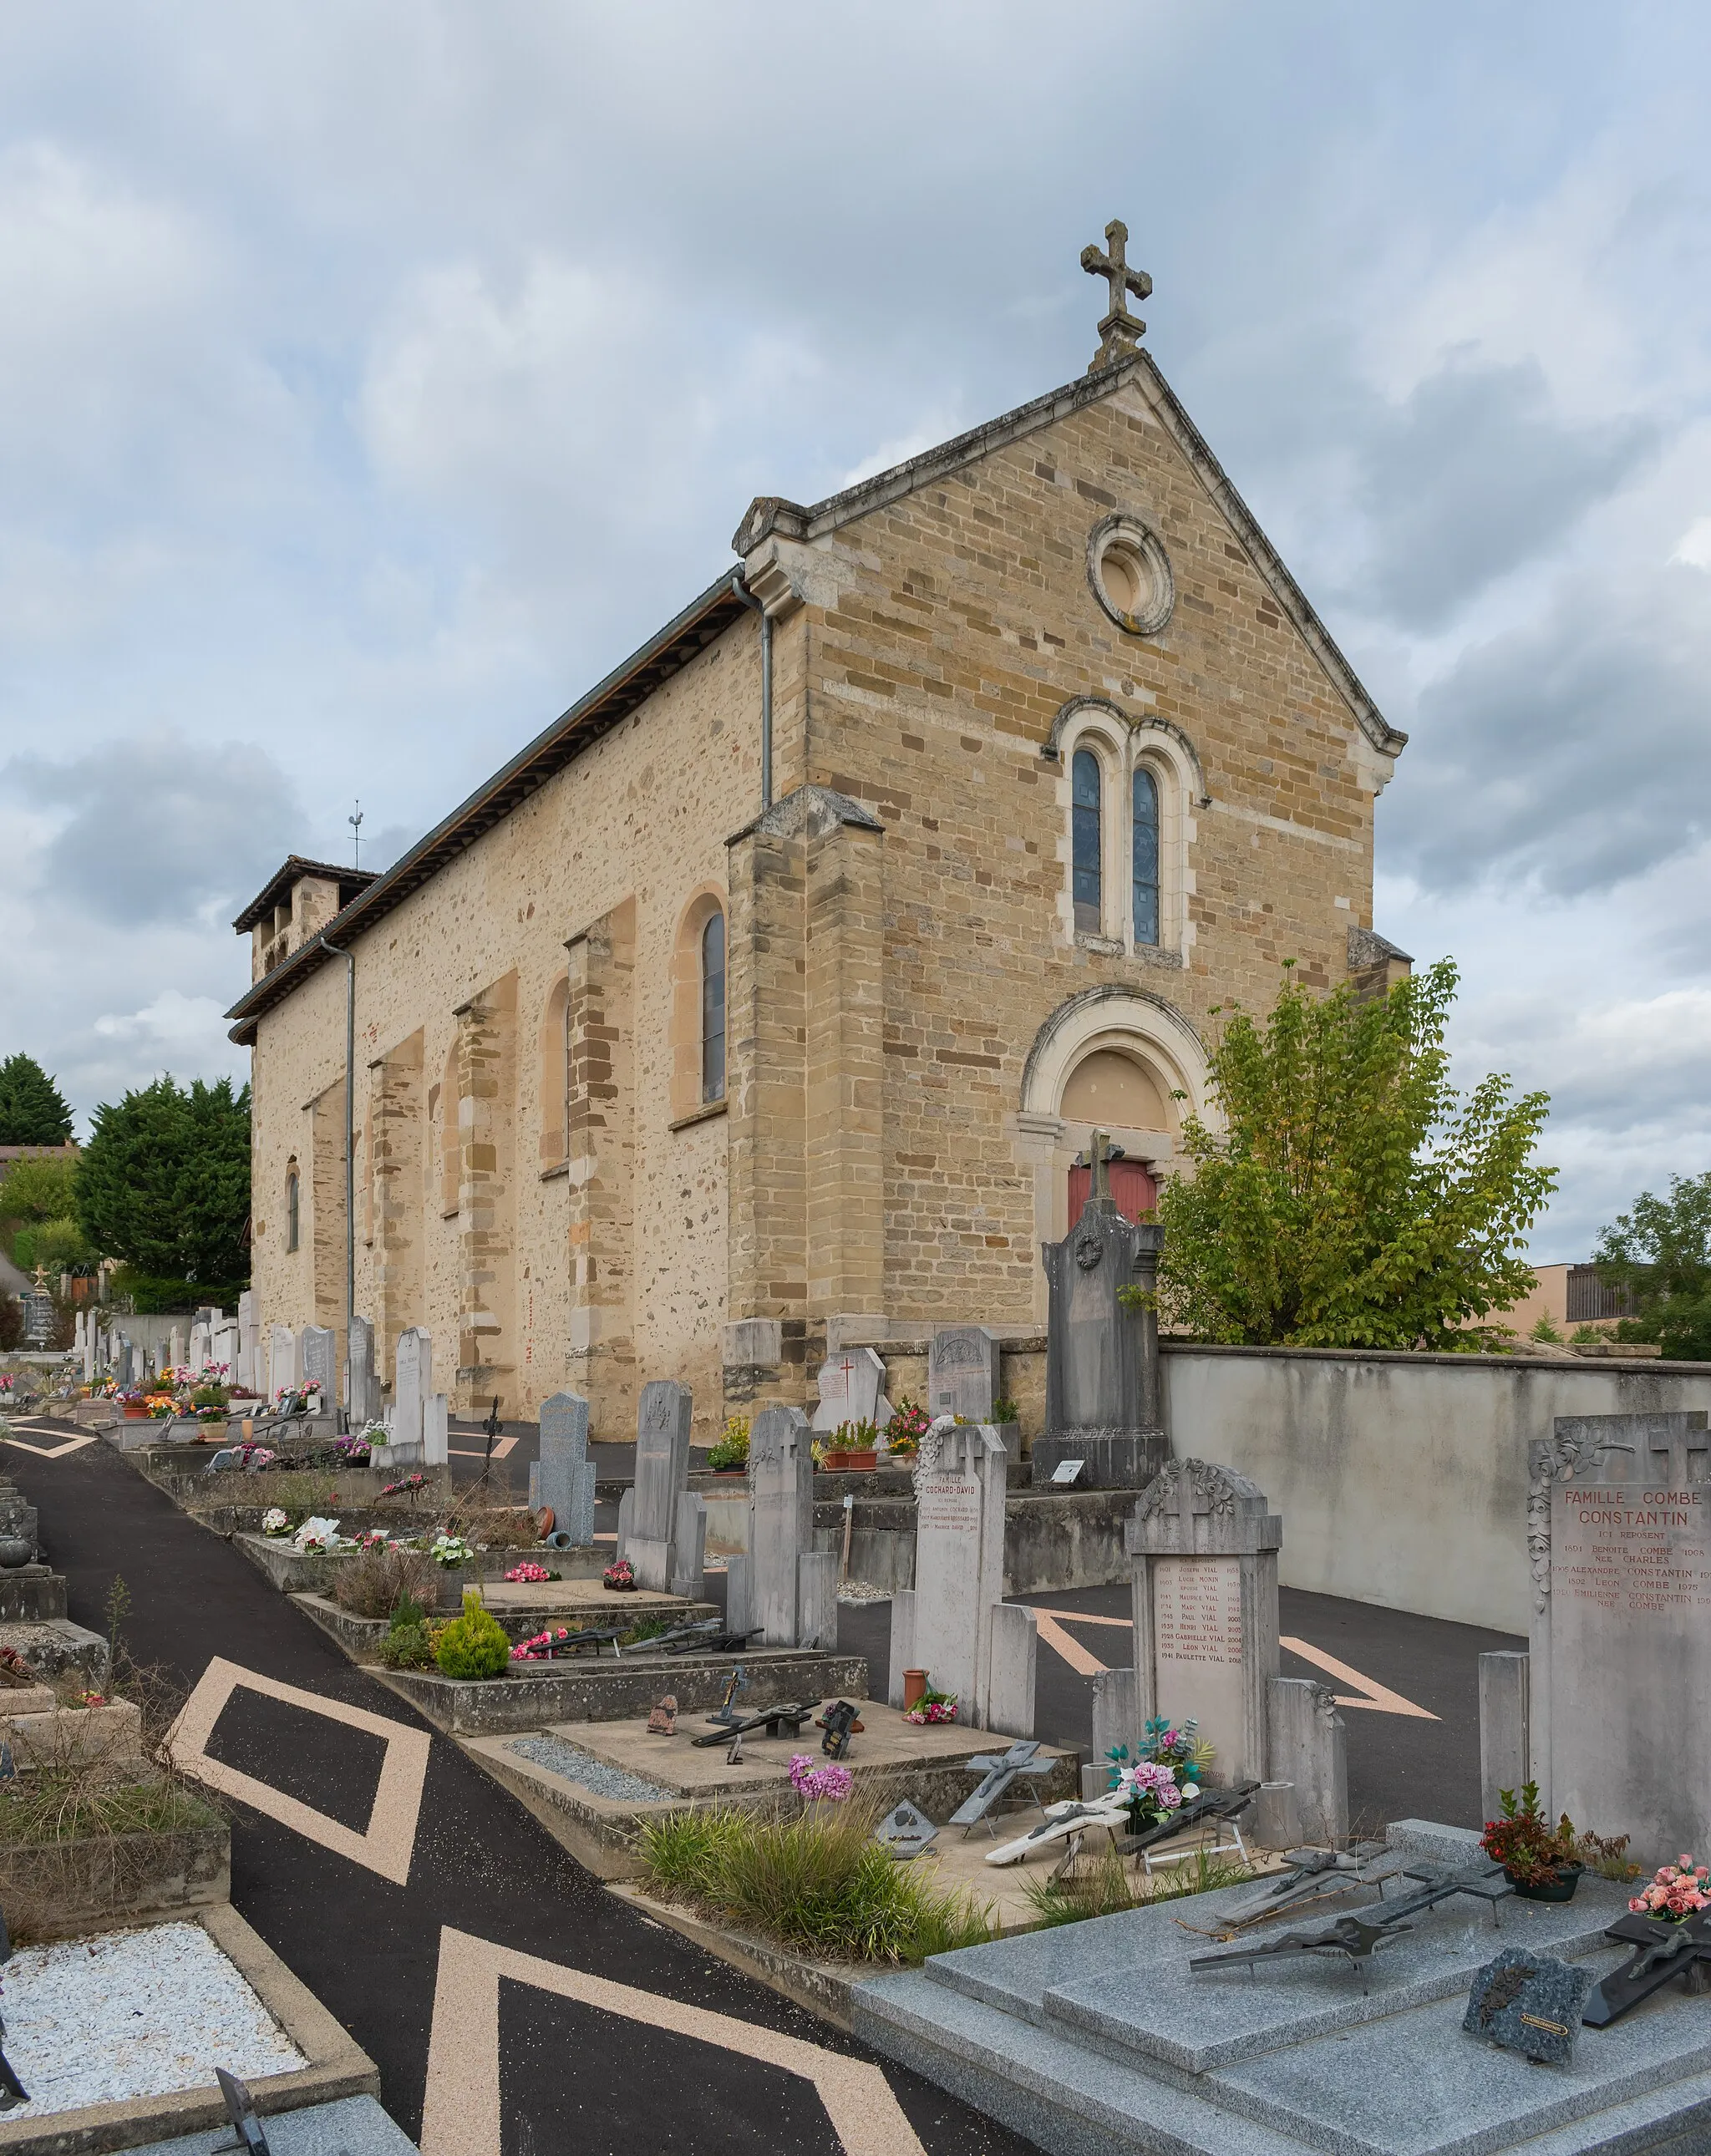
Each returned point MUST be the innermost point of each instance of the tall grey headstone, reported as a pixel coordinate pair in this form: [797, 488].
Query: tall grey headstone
[902, 1653]
[1115, 1720]
[662, 1425]
[780, 1520]
[320, 1366]
[177, 1347]
[959, 1528]
[201, 1346]
[282, 1374]
[1619, 1537]
[412, 1382]
[1203, 1543]
[817, 1600]
[245, 1373]
[1505, 1721]
[1103, 1396]
[961, 1371]
[563, 1476]
[436, 1430]
[1011, 1660]
[90, 1345]
[362, 1388]
[851, 1389]
[224, 1355]
[738, 1606]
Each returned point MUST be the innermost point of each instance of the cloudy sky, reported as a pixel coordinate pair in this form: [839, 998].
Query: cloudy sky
[373, 376]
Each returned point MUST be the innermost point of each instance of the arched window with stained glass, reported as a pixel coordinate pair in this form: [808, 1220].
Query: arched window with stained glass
[1145, 855]
[1085, 789]
[712, 1007]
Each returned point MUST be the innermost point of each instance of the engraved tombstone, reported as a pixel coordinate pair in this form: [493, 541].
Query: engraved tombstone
[563, 1476]
[244, 1373]
[362, 1384]
[281, 1360]
[1619, 1534]
[661, 1471]
[225, 1350]
[962, 1372]
[319, 1364]
[1203, 1543]
[412, 1381]
[780, 1520]
[944, 1624]
[851, 1389]
[1102, 1400]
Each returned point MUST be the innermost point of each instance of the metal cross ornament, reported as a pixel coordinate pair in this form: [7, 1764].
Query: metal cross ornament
[1120, 332]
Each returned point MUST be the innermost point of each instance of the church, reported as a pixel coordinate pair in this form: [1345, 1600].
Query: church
[766, 999]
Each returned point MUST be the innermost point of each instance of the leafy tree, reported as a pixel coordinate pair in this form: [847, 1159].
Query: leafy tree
[164, 1183]
[1661, 1251]
[1354, 1197]
[60, 1245]
[41, 1187]
[32, 1109]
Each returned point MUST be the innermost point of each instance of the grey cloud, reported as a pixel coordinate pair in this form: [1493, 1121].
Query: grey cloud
[1570, 754]
[161, 827]
[1473, 474]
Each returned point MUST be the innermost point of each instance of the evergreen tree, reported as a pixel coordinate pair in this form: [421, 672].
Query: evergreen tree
[1353, 1198]
[1661, 1252]
[164, 1181]
[32, 1110]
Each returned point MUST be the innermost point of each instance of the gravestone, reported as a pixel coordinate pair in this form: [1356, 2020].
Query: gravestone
[962, 1372]
[320, 1365]
[851, 1389]
[246, 1376]
[436, 1430]
[1102, 1397]
[177, 1349]
[90, 1344]
[224, 1354]
[944, 1624]
[780, 1520]
[662, 1425]
[362, 1382]
[281, 1360]
[412, 1382]
[689, 1545]
[1529, 2003]
[1204, 1545]
[563, 1476]
[1619, 1535]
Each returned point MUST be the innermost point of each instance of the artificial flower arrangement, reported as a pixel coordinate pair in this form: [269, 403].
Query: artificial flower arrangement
[528, 1573]
[907, 1426]
[1536, 1856]
[618, 1579]
[319, 1537]
[407, 1487]
[274, 1522]
[830, 1784]
[1675, 1891]
[1172, 1757]
[160, 1405]
[933, 1706]
[353, 1451]
[450, 1551]
[543, 1647]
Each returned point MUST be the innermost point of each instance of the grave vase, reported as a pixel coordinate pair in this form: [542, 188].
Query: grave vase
[1560, 1889]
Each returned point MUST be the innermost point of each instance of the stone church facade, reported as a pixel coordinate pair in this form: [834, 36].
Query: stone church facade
[767, 996]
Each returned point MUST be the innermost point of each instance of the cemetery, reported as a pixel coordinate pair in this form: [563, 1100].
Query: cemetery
[1179, 1938]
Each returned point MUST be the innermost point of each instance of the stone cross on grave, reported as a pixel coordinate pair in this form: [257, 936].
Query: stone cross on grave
[1120, 332]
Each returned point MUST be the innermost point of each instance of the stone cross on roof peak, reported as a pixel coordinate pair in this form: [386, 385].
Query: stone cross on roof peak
[1120, 332]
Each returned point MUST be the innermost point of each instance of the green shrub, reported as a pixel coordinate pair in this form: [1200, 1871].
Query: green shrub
[1107, 1889]
[408, 1647]
[473, 1645]
[818, 1882]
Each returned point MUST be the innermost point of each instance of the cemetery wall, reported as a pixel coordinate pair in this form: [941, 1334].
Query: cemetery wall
[641, 817]
[1401, 1478]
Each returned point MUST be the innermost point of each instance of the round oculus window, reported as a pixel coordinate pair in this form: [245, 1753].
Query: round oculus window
[1130, 573]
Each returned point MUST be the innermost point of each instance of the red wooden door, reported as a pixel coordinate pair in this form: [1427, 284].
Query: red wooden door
[1134, 1189]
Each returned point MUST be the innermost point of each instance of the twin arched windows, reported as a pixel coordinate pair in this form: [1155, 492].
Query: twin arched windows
[1088, 860]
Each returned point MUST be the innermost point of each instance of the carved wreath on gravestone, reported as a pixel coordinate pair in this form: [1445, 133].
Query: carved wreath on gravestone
[1089, 1250]
[1547, 1461]
[960, 1351]
[1216, 1489]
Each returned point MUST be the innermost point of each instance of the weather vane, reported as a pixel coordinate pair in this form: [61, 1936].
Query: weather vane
[356, 824]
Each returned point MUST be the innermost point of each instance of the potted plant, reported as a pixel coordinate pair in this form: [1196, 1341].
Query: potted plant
[906, 1428]
[934, 1707]
[730, 1456]
[854, 1449]
[618, 1579]
[1539, 1860]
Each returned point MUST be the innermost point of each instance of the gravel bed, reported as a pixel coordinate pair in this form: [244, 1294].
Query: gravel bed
[132, 2013]
[576, 1765]
[860, 1590]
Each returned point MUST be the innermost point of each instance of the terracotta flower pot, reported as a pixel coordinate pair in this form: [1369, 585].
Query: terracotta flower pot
[850, 1463]
[914, 1684]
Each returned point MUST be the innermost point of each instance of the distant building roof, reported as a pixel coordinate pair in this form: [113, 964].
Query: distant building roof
[349, 881]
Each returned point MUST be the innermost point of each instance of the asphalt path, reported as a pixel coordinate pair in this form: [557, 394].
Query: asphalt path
[573, 2076]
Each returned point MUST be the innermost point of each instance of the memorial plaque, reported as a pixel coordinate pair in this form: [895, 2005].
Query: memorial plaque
[1197, 1635]
[1619, 1535]
[963, 1372]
